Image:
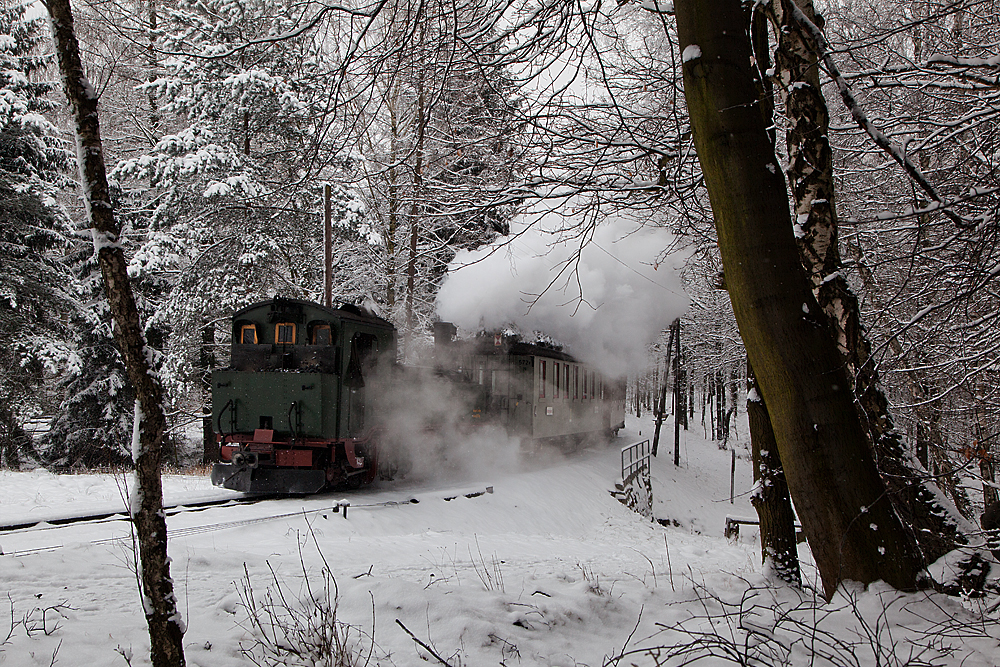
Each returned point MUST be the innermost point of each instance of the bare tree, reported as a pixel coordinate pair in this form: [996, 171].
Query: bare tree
[811, 180]
[160, 605]
[851, 526]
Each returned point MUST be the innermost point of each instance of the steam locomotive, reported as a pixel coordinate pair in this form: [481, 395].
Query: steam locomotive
[312, 394]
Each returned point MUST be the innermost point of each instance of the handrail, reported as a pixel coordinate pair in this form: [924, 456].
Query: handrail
[229, 405]
[291, 426]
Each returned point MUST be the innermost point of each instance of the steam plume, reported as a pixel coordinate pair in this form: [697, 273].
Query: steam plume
[607, 301]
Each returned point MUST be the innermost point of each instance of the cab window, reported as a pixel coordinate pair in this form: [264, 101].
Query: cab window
[284, 333]
[321, 335]
[248, 334]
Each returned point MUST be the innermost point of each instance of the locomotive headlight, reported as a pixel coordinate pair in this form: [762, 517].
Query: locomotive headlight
[238, 458]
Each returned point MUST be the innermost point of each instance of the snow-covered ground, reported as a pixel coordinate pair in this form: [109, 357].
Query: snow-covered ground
[547, 569]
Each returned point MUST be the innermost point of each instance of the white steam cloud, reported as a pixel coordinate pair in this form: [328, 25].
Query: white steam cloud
[607, 302]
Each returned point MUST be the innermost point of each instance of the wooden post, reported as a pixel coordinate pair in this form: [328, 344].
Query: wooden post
[732, 479]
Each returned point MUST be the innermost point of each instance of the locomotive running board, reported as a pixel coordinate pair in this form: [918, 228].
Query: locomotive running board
[267, 480]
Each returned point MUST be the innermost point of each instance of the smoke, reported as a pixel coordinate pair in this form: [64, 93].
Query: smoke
[606, 291]
[428, 431]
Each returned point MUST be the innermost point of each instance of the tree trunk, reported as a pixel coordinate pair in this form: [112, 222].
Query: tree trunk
[770, 498]
[770, 495]
[153, 73]
[810, 177]
[160, 606]
[853, 531]
[418, 179]
[678, 404]
[661, 414]
[982, 450]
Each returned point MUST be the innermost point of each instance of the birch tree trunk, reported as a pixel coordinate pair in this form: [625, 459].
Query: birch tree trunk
[810, 177]
[853, 530]
[159, 603]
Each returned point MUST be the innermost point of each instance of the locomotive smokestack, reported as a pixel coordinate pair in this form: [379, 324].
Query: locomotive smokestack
[444, 334]
[444, 343]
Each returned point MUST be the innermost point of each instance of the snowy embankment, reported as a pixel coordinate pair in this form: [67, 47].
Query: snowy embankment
[548, 569]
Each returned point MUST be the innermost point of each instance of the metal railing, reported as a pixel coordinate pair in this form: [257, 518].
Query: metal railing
[635, 461]
[636, 484]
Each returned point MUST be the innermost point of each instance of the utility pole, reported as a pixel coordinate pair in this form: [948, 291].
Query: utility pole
[327, 248]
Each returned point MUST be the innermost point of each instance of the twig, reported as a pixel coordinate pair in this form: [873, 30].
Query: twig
[422, 644]
[670, 569]
[55, 652]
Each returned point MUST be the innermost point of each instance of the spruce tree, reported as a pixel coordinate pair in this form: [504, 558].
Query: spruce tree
[34, 299]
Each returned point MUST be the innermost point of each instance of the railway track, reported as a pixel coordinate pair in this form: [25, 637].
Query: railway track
[337, 507]
[101, 517]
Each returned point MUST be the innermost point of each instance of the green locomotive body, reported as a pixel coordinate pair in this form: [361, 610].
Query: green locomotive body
[311, 391]
[294, 411]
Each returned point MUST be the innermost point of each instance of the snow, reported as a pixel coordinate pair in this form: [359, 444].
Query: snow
[691, 52]
[958, 61]
[657, 7]
[103, 240]
[548, 569]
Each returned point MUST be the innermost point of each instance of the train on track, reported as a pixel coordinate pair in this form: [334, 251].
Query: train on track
[313, 396]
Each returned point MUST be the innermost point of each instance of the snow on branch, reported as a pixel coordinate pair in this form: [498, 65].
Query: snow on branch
[958, 61]
[881, 140]
[656, 6]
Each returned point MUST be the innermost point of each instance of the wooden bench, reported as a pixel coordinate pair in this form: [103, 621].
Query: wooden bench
[733, 524]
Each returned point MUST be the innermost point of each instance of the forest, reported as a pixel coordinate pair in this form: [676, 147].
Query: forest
[867, 141]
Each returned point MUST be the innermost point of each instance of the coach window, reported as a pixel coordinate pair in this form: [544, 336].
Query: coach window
[555, 373]
[321, 335]
[542, 378]
[248, 334]
[566, 376]
[284, 333]
[576, 382]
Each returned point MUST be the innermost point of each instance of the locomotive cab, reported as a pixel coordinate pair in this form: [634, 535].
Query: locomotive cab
[292, 410]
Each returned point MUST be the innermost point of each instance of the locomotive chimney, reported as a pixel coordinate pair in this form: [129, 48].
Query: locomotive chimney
[444, 334]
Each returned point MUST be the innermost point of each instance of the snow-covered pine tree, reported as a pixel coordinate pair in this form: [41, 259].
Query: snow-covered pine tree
[34, 299]
[92, 426]
[227, 203]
